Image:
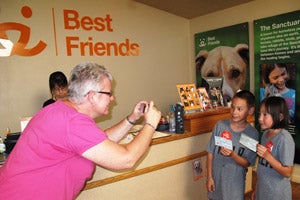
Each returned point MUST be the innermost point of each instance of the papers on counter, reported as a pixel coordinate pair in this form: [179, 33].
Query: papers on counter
[24, 121]
[134, 131]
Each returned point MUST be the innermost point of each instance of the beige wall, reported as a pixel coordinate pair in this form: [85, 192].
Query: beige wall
[163, 61]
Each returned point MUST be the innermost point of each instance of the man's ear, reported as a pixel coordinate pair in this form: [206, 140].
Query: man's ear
[251, 110]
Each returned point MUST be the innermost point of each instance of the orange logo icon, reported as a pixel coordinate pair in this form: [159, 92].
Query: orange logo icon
[19, 48]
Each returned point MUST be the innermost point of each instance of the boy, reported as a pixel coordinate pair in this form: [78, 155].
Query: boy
[226, 167]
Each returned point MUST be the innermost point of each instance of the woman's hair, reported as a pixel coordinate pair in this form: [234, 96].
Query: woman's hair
[246, 95]
[85, 77]
[57, 78]
[266, 69]
[277, 108]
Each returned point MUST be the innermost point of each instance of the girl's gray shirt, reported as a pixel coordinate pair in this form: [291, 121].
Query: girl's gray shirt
[270, 184]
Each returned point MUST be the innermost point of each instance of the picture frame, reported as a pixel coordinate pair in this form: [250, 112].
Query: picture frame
[198, 171]
[216, 97]
[204, 98]
[214, 90]
[189, 96]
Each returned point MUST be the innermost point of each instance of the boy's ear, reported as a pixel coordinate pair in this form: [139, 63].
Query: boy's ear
[251, 110]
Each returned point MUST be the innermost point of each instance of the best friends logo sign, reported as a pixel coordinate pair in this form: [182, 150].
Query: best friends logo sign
[19, 47]
[74, 44]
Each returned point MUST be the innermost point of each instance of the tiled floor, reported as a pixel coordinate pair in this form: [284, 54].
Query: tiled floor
[295, 189]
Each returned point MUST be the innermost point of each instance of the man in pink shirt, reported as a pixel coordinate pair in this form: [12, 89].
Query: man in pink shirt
[61, 145]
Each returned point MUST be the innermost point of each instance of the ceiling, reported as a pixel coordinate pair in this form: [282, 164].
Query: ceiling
[192, 8]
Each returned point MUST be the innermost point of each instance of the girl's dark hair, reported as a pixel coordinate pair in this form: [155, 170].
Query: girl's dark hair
[57, 78]
[276, 107]
[246, 95]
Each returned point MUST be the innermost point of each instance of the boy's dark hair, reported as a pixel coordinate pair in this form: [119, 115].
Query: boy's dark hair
[276, 107]
[57, 78]
[246, 95]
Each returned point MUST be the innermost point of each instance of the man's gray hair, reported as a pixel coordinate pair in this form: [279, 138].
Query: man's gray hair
[86, 77]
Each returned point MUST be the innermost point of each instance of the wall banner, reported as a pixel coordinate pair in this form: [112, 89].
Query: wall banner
[277, 64]
[224, 53]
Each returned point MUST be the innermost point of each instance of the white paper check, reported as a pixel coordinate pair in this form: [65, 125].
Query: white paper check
[219, 141]
[248, 142]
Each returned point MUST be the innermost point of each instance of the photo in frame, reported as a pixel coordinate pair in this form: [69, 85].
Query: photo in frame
[189, 97]
[198, 171]
[214, 88]
[204, 98]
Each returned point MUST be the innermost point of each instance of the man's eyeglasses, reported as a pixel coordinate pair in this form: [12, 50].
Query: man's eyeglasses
[110, 94]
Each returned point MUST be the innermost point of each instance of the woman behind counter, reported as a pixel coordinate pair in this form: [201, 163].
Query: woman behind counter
[58, 85]
[60, 146]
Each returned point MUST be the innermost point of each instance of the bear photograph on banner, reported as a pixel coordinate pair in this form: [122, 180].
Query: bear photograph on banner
[223, 54]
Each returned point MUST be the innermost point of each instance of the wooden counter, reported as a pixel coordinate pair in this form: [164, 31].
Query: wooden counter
[203, 122]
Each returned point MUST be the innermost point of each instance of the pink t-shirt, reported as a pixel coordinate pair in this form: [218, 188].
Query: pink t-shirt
[46, 162]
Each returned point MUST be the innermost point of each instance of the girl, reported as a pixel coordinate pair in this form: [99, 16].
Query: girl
[276, 151]
[275, 77]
